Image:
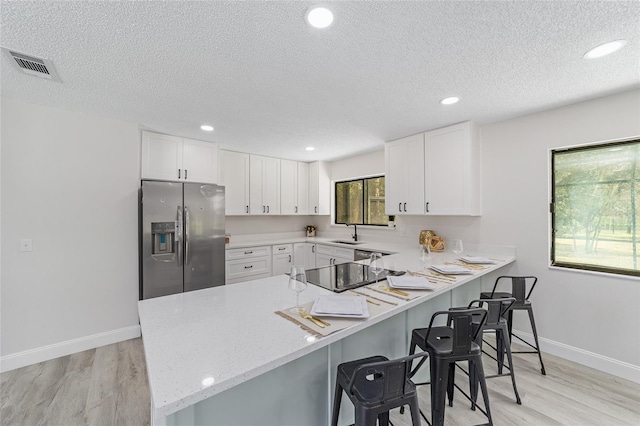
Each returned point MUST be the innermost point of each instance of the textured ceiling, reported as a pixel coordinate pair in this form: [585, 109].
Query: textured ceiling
[272, 85]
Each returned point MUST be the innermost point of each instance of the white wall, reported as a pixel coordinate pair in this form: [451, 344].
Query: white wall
[69, 183]
[595, 313]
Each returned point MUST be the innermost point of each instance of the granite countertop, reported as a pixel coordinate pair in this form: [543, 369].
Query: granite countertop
[197, 343]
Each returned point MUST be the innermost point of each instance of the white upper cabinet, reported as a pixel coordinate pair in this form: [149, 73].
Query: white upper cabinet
[452, 170]
[166, 157]
[234, 176]
[294, 187]
[303, 188]
[404, 176]
[319, 188]
[264, 185]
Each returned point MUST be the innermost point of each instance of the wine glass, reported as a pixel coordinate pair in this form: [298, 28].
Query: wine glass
[457, 247]
[297, 283]
[424, 255]
[375, 264]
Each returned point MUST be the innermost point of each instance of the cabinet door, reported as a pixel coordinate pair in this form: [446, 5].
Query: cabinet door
[323, 260]
[319, 188]
[234, 176]
[452, 171]
[288, 187]
[404, 176]
[303, 188]
[282, 263]
[311, 257]
[264, 185]
[161, 157]
[200, 161]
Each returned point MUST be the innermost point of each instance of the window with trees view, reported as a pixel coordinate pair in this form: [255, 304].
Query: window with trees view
[595, 191]
[361, 201]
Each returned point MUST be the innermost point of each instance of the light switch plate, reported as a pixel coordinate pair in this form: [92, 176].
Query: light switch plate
[26, 244]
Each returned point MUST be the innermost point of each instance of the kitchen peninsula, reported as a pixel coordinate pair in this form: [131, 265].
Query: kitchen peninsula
[222, 355]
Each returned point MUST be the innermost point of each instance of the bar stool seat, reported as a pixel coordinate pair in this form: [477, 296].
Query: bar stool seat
[376, 385]
[518, 291]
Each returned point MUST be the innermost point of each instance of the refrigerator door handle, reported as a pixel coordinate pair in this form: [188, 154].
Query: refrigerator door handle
[186, 236]
[179, 231]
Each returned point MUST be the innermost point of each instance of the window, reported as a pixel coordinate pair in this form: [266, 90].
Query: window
[361, 201]
[594, 210]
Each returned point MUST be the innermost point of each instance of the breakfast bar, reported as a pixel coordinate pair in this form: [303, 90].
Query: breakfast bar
[225, 356]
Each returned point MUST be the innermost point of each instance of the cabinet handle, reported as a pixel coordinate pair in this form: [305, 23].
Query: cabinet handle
[267, 209]
[427, 207]
[263, 209]
[247, 209]
[295, 209]
[405, 207]
[313, 248]
[399, 207]
[248, 267]
[282, 248]
[178, 173]
[248, 252]
[316, 209]
[289, 258]
[185, 174]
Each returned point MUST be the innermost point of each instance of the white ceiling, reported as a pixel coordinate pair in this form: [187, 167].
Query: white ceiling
[272, 85]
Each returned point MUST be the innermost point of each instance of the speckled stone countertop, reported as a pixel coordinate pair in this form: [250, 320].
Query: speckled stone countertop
[200, 343]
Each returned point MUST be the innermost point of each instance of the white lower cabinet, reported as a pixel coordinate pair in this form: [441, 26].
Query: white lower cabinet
[247, 264]
[305, 254]
[282, 258]
[330, 255]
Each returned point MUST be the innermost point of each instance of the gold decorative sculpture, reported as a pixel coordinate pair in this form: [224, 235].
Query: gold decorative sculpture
[435, 243]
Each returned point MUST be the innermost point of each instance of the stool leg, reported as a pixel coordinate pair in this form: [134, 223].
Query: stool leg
[337, 399]
[415, 411]
[500, 349]
[450, 383]
[383, 419]
[535, 336]
[483, 386]
[473, 383]
[439, 378]
[507, 345]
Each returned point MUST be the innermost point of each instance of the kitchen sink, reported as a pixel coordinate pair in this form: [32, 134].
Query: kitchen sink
[351, 243]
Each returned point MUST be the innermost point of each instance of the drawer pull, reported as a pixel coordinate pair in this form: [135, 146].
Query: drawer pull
[248, 252]
[282, 248]
[248, 267]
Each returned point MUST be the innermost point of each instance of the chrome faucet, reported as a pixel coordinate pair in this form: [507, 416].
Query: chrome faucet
[355, 229]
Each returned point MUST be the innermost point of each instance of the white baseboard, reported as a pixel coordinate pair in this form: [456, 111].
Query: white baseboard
[590, 359]
[45, 353]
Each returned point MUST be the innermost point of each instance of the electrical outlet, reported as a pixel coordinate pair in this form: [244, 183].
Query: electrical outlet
[403, 232]
[26, 244]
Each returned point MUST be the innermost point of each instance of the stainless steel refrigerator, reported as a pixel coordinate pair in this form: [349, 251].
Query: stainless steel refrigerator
[182, 237]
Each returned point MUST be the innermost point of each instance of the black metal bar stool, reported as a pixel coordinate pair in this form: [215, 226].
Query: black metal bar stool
[447, 345]
[496, 310]
[519, 292]
[376, 385]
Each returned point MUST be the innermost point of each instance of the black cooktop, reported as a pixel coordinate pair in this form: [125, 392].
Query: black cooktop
[345, 276]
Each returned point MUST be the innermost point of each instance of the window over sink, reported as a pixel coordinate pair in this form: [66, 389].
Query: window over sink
[595, 206]
[360, 202]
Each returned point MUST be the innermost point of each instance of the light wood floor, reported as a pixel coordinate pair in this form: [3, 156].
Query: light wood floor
[108, 386]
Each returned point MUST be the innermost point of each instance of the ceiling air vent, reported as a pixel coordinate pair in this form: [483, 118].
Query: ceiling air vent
[31, 65]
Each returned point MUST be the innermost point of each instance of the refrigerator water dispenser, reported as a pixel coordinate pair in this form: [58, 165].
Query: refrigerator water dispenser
[163, 237]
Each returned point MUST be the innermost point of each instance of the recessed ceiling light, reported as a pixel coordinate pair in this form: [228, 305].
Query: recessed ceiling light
[309, 148]
[449, 101]
[319, 17]
[605, 49]
[207, 128]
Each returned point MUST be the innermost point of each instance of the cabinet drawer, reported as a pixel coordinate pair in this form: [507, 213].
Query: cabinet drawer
[321, 249]
[248, 267]
[344, 253]
[249, 252]
[282, 249]
[250, 278]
